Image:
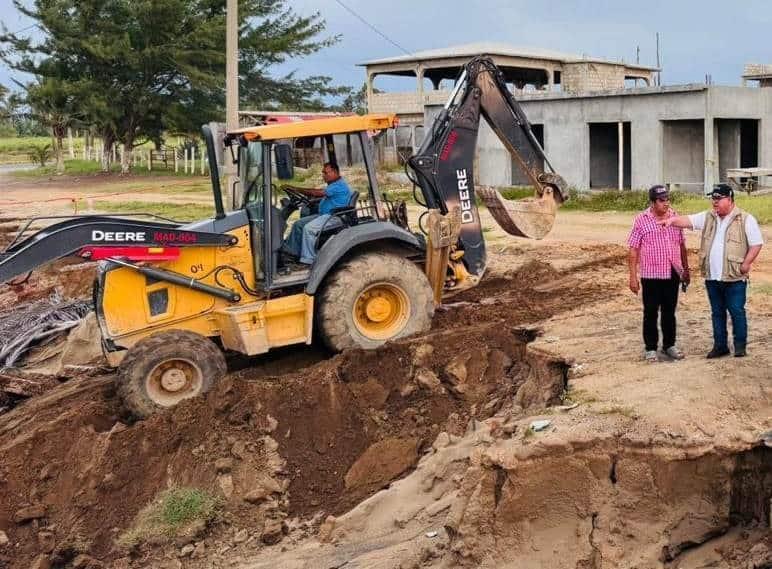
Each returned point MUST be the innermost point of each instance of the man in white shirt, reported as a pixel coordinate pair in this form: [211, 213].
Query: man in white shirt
[731, 241]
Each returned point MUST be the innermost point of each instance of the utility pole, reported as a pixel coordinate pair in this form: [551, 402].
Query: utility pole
[232, 188]
[659, 73]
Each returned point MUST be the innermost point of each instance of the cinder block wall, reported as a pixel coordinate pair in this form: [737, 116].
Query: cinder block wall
[586, 76]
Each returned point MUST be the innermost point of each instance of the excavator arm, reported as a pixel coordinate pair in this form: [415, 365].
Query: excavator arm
[443, 167]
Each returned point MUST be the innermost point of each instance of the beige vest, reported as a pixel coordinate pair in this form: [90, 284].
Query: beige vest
[735, 244]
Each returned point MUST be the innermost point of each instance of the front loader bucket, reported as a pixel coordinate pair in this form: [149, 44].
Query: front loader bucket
[529, 217]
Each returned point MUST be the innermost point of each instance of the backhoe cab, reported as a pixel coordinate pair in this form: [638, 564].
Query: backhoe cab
[173, 299]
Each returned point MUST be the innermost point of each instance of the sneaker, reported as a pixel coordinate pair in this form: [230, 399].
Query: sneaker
[717, 353]
[675, 353]
[651, 356]
[739, 352]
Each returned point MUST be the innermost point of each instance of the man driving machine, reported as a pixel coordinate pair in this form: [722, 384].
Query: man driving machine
[301, 242]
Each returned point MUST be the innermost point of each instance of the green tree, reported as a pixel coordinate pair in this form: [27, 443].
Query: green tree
[356, 101]
[56, 104]
[143, 67]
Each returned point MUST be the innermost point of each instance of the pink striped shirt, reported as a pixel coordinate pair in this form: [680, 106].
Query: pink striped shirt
[659, 246]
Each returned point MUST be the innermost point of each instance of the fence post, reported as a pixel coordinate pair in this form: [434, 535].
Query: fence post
[202, 163]
[149, 160]
[176, 169]
[193, 160]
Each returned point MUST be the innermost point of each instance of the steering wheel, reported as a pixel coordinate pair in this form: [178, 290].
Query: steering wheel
[297, 198]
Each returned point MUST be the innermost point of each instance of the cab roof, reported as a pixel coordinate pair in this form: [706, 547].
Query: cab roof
[318, 127]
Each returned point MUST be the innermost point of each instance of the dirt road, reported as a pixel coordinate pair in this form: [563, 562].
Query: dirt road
[422, 454]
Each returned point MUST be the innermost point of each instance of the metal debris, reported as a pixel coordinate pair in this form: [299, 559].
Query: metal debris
[36, 323]
[540, 425]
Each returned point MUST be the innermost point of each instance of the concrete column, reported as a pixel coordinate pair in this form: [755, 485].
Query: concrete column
[621, 154]
[550, 79]
[419, 73]
[711, 160]
[369, 82]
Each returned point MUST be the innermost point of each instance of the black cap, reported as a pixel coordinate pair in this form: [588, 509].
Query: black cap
[657, 192]
[722, 191]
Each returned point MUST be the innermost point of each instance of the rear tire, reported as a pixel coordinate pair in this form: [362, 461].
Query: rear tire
[166, 368]
[372, 299]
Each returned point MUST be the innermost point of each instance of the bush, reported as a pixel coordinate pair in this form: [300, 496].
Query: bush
[40, 154]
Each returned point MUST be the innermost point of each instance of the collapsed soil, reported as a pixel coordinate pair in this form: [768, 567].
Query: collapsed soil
[301, 437]
[287, 447]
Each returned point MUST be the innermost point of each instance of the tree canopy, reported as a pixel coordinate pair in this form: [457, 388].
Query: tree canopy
[134, 69]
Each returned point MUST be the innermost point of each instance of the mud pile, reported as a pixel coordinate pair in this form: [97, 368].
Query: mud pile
[279, 449]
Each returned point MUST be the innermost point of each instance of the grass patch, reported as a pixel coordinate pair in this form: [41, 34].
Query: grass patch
[619, 410]
[170, 514]
[178, 212]
[578, 396]
[516, 192]
[684, 203]
[79, 167]
[762, 289]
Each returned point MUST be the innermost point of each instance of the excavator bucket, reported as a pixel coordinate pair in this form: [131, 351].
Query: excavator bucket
[529, 217]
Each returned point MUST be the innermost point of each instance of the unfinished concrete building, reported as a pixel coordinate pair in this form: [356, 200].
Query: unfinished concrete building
[602, 124]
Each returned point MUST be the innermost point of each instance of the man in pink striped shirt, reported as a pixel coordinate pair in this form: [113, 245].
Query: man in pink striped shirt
[663, 263]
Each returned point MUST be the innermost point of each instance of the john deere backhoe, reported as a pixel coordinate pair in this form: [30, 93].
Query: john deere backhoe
[171, 299]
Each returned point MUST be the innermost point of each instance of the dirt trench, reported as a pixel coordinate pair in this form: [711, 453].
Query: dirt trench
[314, 442]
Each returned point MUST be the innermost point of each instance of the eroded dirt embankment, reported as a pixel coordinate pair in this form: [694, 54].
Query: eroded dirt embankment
[440, 423]
[75, 473]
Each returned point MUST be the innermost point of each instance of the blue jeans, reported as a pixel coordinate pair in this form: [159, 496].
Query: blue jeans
[302, 238]
[728, 296]
[294, 242]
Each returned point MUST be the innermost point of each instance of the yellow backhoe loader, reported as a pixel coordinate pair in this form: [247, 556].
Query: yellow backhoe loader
[171, 299]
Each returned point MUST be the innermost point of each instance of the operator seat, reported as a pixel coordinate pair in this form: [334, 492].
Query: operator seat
[340, 218]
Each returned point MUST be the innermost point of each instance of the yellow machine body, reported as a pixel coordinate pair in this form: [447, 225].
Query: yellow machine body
[134, 307]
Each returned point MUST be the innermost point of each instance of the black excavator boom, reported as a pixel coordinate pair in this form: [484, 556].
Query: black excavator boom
[95, 237]
[443, 166]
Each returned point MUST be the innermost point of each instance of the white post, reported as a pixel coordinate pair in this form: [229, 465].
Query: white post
[69, 141]
[115, 153]
[621, 165]
[193, 160]
[202, 163]
[176, 164]
[149, 160]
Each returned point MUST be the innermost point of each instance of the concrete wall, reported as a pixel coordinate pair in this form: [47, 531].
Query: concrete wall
[687, 158]
[684, 154]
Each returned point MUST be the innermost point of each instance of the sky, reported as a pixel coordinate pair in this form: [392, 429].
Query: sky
[697, 38]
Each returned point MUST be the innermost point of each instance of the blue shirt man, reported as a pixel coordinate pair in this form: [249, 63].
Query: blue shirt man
[302, 238]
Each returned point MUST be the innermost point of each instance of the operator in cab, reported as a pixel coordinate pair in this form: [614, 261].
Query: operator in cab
[301, 242]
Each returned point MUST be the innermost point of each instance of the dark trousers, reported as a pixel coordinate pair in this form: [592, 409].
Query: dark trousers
[728, 297]
[660, 297]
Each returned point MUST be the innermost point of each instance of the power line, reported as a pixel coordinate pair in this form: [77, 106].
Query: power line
[23, 29]
[372, 27]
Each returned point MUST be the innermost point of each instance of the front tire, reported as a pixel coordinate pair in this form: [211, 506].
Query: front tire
[372, 299]
[163, 369]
